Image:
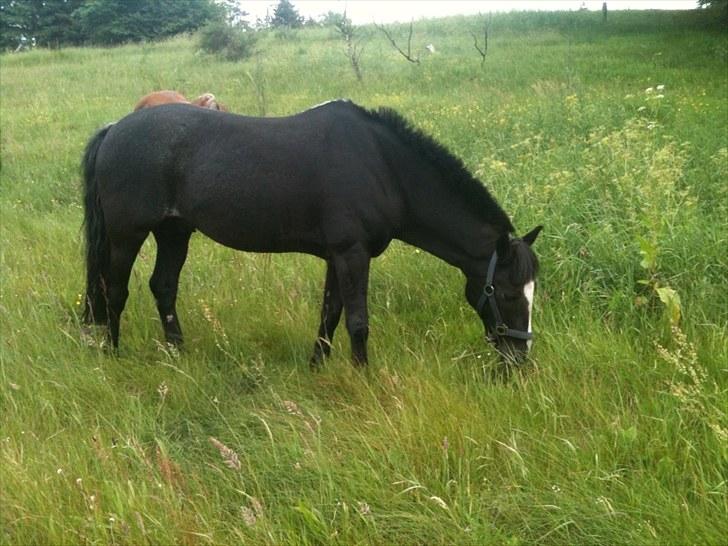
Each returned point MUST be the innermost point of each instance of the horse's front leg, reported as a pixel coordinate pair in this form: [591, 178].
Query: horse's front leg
[330, 315]
[352, 272]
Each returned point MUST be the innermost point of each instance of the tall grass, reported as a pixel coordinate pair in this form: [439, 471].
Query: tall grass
[616, 433]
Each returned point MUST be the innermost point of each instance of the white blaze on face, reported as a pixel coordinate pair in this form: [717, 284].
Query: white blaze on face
[528, 293]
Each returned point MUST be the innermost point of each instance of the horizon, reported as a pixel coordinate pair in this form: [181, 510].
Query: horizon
[363, 12]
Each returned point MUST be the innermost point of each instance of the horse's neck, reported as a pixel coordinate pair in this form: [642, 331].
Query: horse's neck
[449, 230]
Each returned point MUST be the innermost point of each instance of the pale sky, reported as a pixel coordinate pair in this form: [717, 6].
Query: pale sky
[387, 11]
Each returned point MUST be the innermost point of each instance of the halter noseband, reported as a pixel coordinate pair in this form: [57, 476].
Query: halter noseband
[500, 329]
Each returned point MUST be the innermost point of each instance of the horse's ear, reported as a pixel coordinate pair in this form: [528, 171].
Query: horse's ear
[530, 237]
[503, 246]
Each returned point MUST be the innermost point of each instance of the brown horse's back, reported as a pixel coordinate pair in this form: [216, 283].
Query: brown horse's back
[206, 100]
[160, 97]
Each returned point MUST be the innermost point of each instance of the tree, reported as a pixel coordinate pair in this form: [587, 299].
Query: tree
[353, 38]
[54, 23]
[110, 22]
[286, 15]
[46, 23]
[720, 7]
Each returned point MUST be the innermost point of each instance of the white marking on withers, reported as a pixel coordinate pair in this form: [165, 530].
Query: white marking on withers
[528, 293]
[327, 102]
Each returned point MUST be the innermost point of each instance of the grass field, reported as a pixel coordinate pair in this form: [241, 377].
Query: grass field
[612, 136]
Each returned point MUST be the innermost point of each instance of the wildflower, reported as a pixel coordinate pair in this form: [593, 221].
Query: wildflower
[364, 509]
[660, 87]
[649, 90]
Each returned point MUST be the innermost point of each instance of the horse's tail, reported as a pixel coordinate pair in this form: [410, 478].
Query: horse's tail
[97, 242]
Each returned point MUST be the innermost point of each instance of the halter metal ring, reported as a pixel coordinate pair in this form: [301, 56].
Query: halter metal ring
[489, 290]
[501, 329]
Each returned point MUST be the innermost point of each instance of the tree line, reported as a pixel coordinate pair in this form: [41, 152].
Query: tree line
[58, 23]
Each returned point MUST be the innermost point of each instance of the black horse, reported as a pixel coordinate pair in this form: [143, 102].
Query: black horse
[336, 181]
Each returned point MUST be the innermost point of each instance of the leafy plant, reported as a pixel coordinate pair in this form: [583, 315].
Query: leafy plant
[231, 43]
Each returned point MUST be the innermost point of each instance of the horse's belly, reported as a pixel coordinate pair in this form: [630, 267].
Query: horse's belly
[265, 237]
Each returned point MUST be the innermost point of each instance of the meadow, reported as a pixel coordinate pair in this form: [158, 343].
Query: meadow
[613, 136]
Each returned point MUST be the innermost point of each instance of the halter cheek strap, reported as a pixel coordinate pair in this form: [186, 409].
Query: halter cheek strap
[499, 328]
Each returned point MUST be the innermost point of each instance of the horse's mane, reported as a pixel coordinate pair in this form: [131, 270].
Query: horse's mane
[523, 262]
[453, 170]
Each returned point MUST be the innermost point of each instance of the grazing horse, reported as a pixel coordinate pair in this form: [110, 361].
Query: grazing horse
[337, 181]
[206, 100]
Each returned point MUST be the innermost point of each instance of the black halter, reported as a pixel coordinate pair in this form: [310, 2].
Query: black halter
[499, 329]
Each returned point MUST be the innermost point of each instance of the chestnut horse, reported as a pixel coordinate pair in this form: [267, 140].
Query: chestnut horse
[156, 98]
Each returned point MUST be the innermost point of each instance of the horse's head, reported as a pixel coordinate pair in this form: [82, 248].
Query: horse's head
[503, 295]
[209, 101]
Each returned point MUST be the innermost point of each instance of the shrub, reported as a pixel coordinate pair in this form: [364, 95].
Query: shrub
[231, 43]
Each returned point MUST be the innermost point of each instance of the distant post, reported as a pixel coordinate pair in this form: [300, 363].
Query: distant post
[604, 12]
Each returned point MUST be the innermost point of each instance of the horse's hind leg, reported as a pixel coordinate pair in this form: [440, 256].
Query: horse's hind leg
[330, 315]
[172, 242]
[122, 256]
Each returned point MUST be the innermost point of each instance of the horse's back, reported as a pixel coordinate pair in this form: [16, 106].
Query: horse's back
[158, 98]
[282, 181]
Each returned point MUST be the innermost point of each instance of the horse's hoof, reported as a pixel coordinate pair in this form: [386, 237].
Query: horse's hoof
[316, 363]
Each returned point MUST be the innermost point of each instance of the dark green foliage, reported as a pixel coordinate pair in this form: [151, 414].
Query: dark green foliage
[286, 15]
[334, 19]
[717, 7]
[231, 43]
[117, 21]
[55, 23]
[47, 22]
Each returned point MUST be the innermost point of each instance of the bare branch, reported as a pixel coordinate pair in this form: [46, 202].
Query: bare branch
[484, 49]
[408, 54]
[354, 43]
